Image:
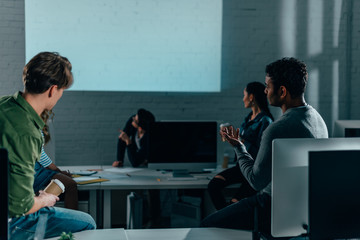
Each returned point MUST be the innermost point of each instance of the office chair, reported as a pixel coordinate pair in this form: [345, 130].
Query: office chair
[259, 231]
[4, 186]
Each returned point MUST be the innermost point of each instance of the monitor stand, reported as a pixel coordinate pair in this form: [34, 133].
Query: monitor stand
[181, 175]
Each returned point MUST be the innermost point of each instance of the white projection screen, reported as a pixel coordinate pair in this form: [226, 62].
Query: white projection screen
[131, 45]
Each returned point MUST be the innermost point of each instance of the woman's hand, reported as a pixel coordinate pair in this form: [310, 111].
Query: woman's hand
[117, 164]
[67, 173]
[124, 137]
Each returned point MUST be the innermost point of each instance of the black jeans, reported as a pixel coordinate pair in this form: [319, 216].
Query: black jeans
[240, 215]
[121, 147]
[232, 175]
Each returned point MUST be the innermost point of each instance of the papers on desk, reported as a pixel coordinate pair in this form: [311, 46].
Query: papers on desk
[82, 179]
[122, 170]
[87, 180]
[83, 172]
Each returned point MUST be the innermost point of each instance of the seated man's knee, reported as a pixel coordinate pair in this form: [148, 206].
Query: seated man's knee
[85, 221]
[216, 182]
[220, 177]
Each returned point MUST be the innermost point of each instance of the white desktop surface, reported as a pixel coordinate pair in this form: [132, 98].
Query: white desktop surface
[142, 179]
[188, 234]
[164, 234]
[104, 234]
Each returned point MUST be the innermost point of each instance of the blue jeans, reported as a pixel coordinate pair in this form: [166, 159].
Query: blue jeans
[57, 220]
[42, 177]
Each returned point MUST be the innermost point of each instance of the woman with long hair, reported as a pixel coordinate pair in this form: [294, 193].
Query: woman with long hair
[45, 170]
[251, 131]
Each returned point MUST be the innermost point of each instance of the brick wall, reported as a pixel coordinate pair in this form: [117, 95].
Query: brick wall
[12, 45]
[254, 34]
[355, 62]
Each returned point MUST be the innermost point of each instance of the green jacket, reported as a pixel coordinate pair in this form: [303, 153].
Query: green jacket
[20, 134]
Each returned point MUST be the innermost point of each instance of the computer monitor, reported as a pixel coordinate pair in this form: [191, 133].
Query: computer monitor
[352, 132]
[289, 210]
[334, 195]
[346, 128]
[183, 145]
[4, 181]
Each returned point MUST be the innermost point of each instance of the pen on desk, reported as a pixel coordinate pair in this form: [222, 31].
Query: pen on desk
[128, 175]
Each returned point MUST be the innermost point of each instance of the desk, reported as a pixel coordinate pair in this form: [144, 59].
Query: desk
[164, 234]
[142, 179]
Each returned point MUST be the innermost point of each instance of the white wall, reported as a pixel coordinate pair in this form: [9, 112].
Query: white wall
[323, 33]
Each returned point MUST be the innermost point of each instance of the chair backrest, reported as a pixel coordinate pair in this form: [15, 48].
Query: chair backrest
[4, 186]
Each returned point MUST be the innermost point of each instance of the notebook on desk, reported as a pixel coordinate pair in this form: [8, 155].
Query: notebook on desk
[181, 175]
[88, 180]
[83, 172]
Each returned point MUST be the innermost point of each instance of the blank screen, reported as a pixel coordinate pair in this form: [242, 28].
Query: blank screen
[183, 142]
[4, 183]
[334, 194]
[290, 180]
[352, 132]
[128, 45]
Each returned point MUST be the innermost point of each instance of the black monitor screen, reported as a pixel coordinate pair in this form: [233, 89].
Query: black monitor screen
[352, 132]
[334, 194]
[183, 142]
[4, 194]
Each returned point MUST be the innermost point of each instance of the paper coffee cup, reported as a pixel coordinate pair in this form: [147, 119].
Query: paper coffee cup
[223, 126]
[55, 187]
[225, 162]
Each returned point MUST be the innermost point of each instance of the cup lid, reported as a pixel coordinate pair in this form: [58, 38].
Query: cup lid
[60, 184]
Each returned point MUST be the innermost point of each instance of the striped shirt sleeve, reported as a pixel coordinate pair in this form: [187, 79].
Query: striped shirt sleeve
[45, 161]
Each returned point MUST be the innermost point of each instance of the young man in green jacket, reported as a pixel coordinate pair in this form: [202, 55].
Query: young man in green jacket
[45, 77]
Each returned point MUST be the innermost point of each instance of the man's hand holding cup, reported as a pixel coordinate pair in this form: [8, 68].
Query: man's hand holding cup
[223, 128]
[231, 135]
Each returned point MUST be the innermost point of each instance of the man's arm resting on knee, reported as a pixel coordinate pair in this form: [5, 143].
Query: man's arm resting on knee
[43, 200]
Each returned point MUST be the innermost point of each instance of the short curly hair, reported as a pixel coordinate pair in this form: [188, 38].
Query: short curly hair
[290, 73]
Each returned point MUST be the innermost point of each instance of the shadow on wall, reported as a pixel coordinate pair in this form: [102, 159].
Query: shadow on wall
[319, 33]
